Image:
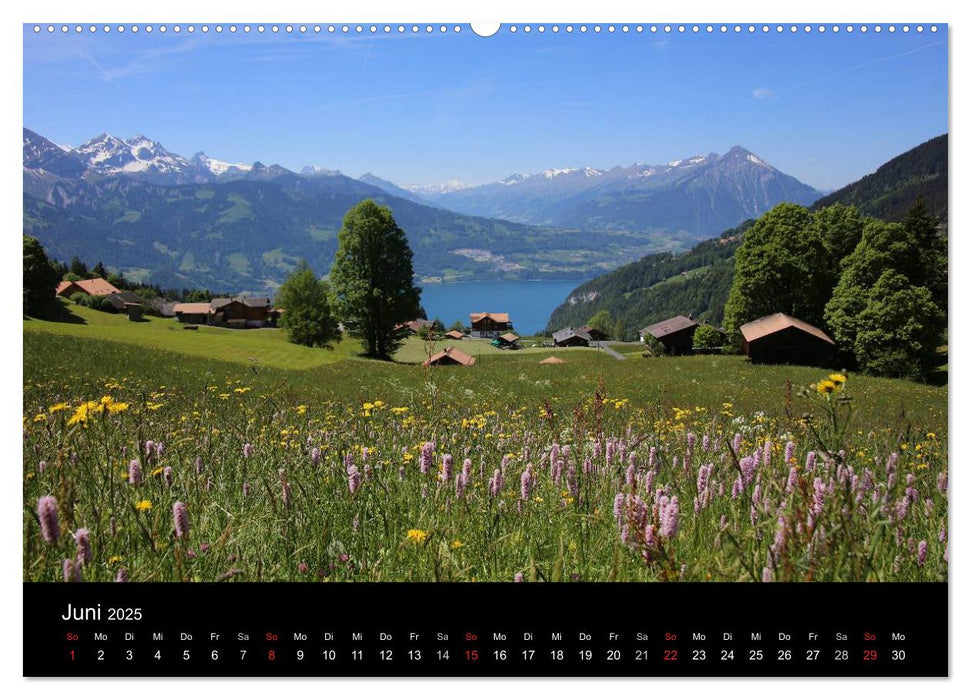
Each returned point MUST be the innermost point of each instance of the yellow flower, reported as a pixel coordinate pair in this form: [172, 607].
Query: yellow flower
[156, 472]
[114, 560]
[40, 417]
[457, 543]
[59, 407]
[417, 536]
[117, 407]
[838, 379]
[144, 505]
[153, 406]
[301, 410]
[825, 387]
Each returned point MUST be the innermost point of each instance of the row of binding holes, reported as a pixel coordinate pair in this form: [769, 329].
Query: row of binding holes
[442, 29]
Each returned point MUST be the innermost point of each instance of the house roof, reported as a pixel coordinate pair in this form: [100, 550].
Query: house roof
[97, 287]
[457, 335]
[257, 302]
[567, 333]
[509, 337]
[220, 302]
[194, 308]
[553, 360]
[497, 317]
[767, 325]
[119, 299]
[453, 354]
[665, 328]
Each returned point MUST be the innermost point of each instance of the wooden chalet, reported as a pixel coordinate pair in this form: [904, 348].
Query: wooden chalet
[489, 325]
[96, 287]
[783, 339]
[455, 335]
[240, 311]
[450, 356]
[675, 334]
[571, 337]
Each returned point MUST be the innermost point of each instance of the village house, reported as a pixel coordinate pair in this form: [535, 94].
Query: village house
[240, 312]
[675, 334]
[571, 337]
[450, 356]
[455, 335]
[96, 287]
[118, 300]
[783, 339]
[489, 325]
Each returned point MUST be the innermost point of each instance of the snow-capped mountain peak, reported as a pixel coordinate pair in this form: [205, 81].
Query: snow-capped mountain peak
[439, 188]
[217, 167]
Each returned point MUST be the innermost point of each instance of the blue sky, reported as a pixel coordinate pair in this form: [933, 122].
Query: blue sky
[826, 108]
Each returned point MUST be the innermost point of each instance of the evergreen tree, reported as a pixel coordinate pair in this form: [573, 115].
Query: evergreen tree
[926, 229]
[40, 280]
[373, 278]
[100, 270]
[306, 304]
[78, 268]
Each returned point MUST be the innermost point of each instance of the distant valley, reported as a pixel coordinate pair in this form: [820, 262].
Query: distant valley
[203, 222]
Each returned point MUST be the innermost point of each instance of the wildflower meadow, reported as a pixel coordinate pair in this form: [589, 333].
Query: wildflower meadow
[159, 467]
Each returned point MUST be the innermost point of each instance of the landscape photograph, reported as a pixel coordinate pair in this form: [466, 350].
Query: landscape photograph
[406, 303]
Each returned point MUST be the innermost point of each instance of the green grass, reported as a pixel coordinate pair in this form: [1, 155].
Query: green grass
[265, 347]
[207, 401]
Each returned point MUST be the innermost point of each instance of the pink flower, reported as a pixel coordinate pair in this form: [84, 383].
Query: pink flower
[180, 516]
[50, 529]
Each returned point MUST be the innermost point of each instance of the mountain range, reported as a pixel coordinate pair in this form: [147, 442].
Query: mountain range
[697, 281]
[203, 222]
[697, 196]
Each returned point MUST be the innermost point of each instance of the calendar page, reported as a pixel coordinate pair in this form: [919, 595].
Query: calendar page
[543, 349]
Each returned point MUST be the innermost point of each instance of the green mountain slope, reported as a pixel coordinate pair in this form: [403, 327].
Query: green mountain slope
[658, 287]
[888, 192]
[248, 234]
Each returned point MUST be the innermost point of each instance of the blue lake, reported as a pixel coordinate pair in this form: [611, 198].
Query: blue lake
[529, 304]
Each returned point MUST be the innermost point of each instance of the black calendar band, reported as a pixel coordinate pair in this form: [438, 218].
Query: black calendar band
[485, 629]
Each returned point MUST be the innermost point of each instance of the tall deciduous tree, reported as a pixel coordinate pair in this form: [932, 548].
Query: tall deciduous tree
[782, 265]
[40, 279]
[373, 278]
[602, 322]
[884, 311]
[306, 303]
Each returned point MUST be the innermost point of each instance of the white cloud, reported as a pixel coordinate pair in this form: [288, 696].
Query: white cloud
[760, 93]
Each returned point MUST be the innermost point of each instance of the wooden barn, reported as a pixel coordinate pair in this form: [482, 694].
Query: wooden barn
[450, 356]
[783, 339]
[192, 313]
[508, 340]
[96, 287]
[455, 335]
[571, 337]
[120, 300]
[675, 334]
[487, 324]
[593, 333]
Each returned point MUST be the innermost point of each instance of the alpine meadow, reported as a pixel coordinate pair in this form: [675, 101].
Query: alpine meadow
[235, 371]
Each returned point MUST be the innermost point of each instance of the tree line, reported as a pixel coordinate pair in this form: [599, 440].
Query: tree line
[879, 288]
